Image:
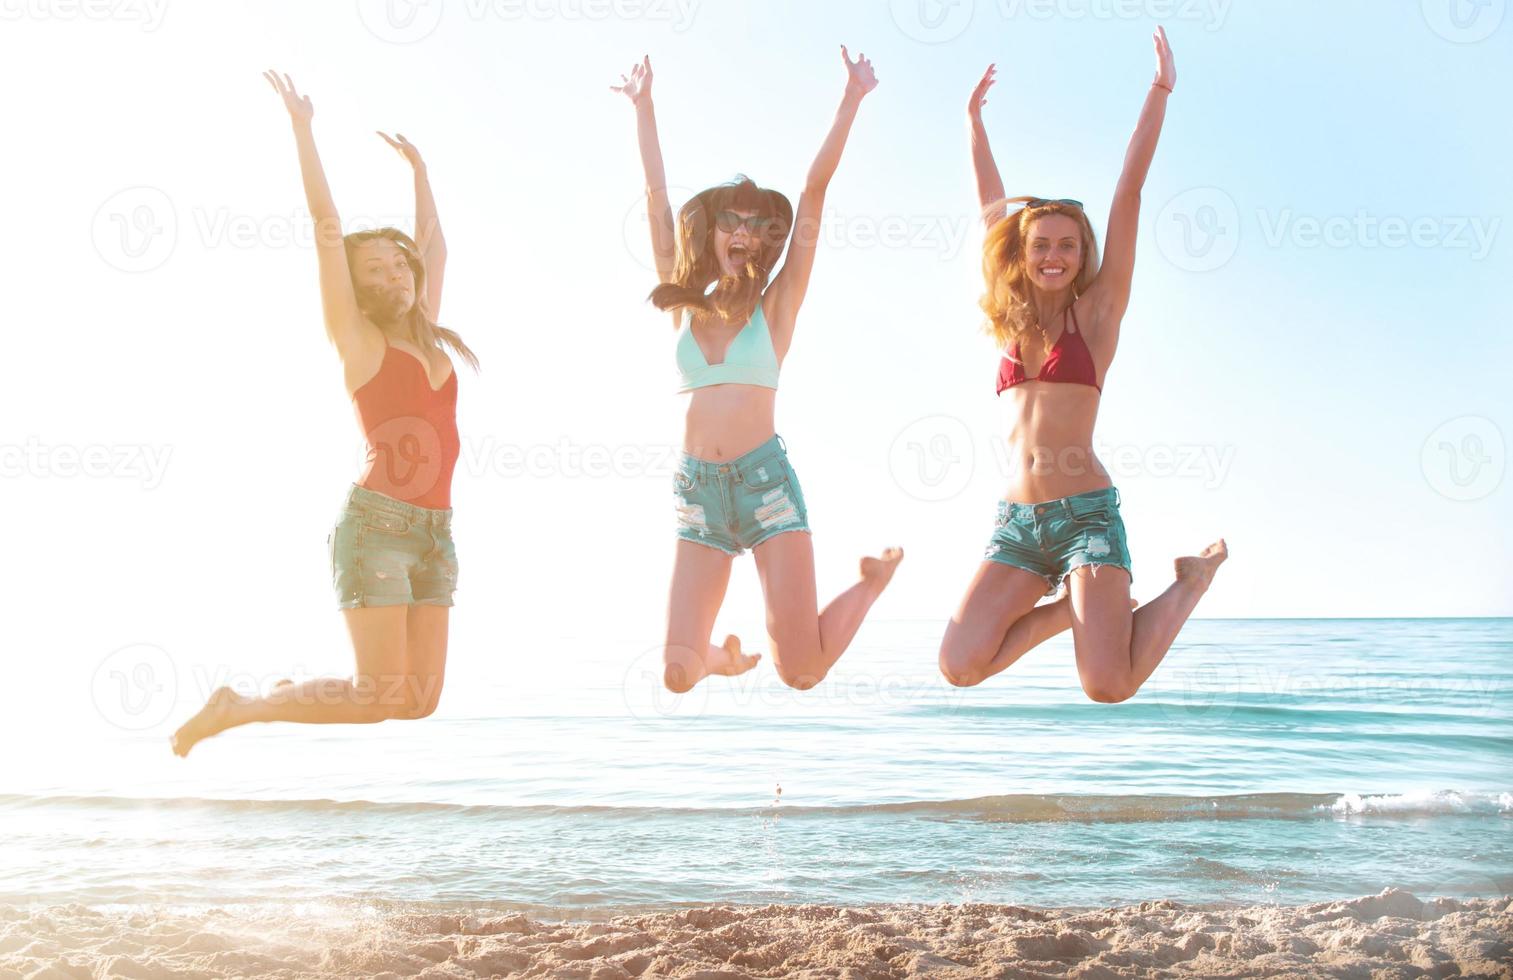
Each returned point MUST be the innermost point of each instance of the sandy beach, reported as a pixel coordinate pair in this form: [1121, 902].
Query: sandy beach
[1389, 935]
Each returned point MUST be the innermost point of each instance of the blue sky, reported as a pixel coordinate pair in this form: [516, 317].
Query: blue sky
[1318, 372]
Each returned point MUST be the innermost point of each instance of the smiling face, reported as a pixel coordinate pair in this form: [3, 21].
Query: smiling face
[1053, 252]
[384, 279]
[735, 249]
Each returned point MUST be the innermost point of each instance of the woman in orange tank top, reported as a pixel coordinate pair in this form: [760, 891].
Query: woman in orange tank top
[393, 564]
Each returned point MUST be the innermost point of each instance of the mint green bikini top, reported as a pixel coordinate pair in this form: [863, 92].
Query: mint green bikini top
[749, 360]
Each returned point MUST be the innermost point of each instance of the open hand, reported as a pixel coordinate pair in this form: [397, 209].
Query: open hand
[1166, 68]
[300, 109]
[980, 93]
[860, 78]
[638, 85]
[406, 149]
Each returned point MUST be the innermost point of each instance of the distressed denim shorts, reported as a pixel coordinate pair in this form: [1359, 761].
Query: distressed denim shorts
[385, 552]
[1053, 537]
[739, 503]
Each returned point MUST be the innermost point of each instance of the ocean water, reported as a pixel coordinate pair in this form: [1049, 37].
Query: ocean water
[1267, 761]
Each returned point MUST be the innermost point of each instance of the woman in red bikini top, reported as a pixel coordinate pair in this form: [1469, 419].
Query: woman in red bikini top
[393, 561]
[1055, 315]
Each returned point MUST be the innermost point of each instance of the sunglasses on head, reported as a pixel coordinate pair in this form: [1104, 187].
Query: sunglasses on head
[1036, 202]
[729, 221]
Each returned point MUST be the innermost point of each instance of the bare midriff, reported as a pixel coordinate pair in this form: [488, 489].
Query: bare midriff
[1050, 441]
[726, 421]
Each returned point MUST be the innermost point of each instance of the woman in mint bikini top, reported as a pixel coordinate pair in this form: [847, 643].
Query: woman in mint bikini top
[1056, 314]
[735, 488]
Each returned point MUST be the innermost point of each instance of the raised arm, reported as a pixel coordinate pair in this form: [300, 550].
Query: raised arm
[989, 183]
[428, 236]
[344, 322]
[786, 293]
[1111, 290]
[637, 88]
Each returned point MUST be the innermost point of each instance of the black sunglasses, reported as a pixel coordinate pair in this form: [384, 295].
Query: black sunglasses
[730, 221]
[1036, 202]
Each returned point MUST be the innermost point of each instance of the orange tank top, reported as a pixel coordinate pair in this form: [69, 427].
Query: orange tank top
[411, 430]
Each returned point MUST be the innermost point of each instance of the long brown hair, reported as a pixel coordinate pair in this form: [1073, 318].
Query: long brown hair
[1009, 300]
[424, 331]
[697, 265]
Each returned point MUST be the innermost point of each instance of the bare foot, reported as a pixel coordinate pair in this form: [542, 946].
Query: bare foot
[878, 571]
[731, 661]
[1199, 569]
[210, 720]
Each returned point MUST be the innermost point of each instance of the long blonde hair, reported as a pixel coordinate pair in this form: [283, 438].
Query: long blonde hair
[424, 331]
[697, 265]
[1009, 300]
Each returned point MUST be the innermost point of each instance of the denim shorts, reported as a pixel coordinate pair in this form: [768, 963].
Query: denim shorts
[739, 503]
[385, 552]
[1053, 537]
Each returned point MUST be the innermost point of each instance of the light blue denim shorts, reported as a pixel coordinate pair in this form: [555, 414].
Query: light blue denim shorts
[1053, 537]
[738, 503]
[385, 552]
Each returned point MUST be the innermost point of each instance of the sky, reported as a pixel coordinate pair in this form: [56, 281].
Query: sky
[1314, 364]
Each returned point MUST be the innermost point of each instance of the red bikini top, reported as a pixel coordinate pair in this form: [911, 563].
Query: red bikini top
[1069, 361]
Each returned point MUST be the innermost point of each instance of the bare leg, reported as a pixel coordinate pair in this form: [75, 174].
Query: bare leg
[985, 635]
[806, 643]
[383, 686]
[1117, 651]
[699, 578]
